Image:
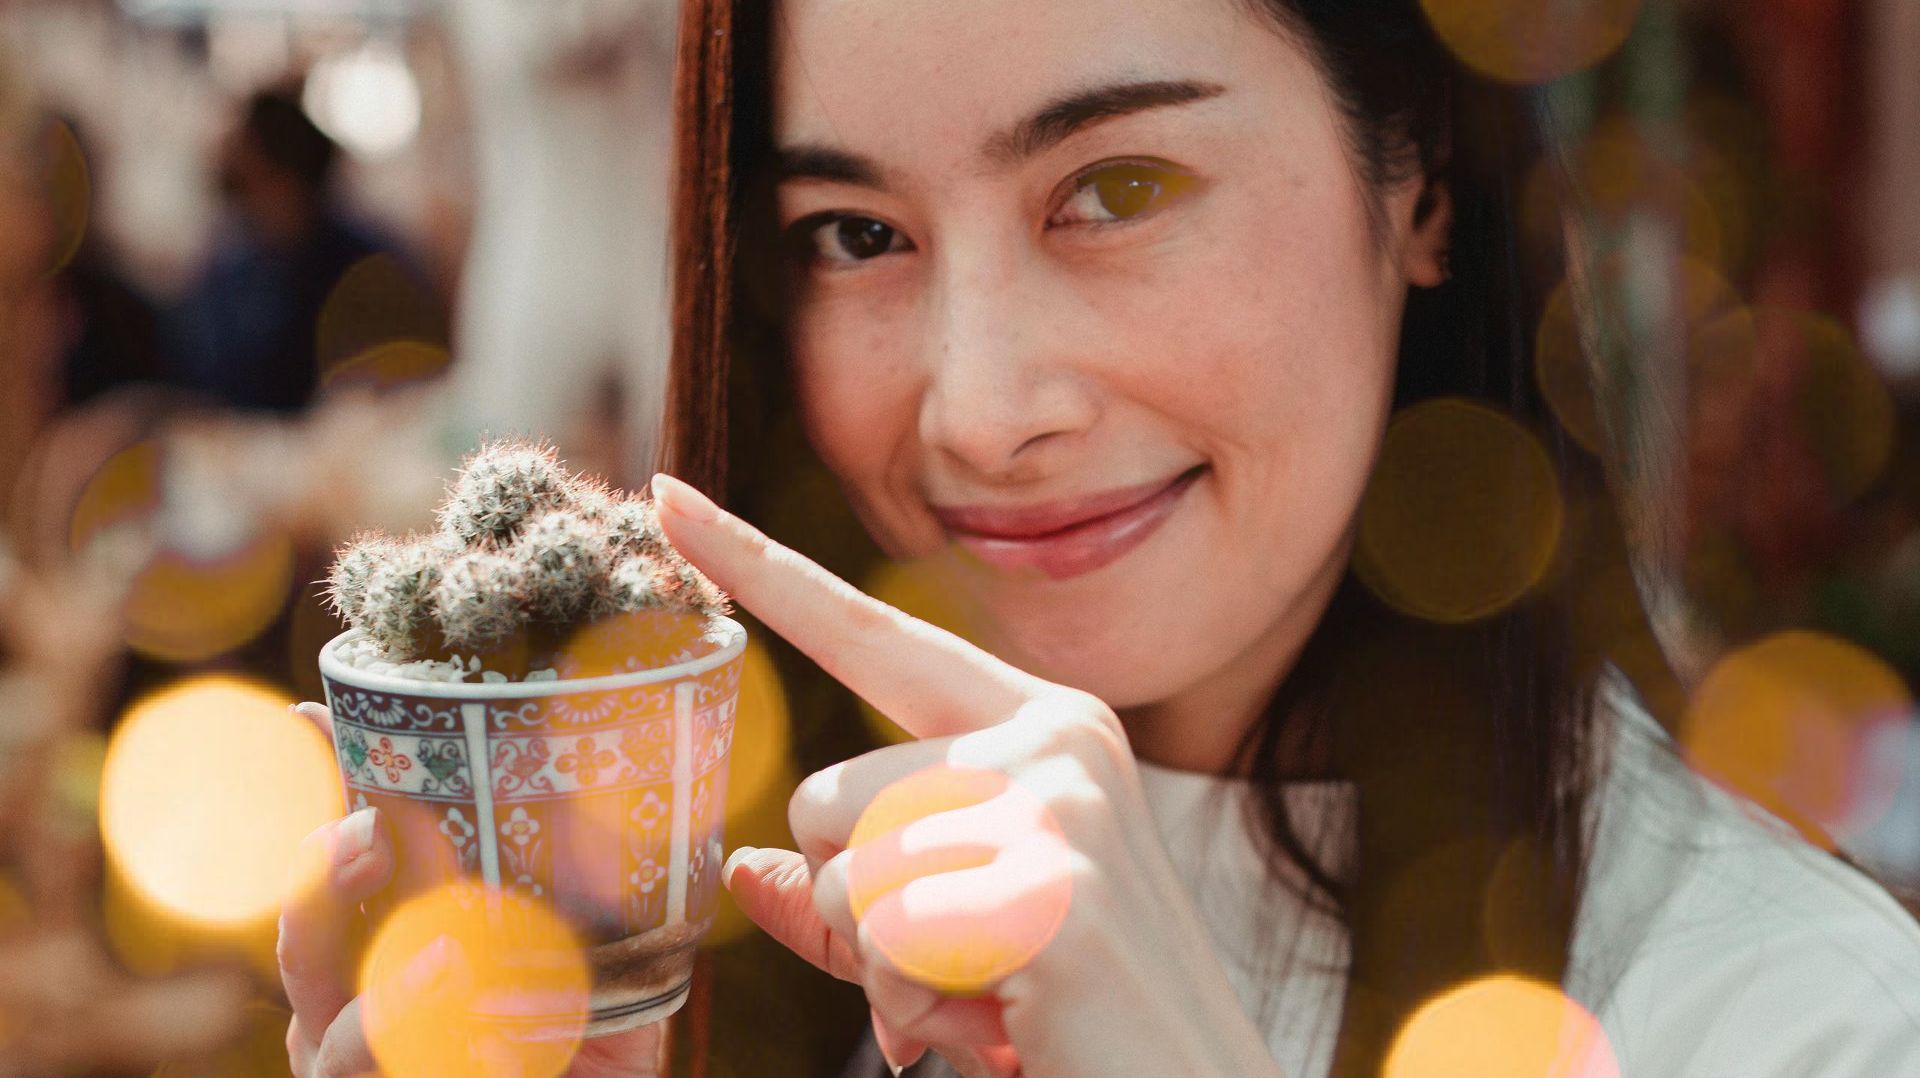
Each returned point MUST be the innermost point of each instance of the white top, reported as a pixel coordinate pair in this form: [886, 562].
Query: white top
[1711, 942]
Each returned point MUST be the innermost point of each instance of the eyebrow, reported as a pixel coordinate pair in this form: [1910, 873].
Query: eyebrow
[1068, 115]
[812, 162]
[1054, 123]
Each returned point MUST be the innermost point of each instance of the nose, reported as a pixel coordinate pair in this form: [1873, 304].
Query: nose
[1005, 393]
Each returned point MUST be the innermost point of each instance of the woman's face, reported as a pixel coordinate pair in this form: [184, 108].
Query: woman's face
[1087, 293]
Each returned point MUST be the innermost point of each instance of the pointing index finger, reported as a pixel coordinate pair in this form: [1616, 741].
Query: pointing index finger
[926, 679]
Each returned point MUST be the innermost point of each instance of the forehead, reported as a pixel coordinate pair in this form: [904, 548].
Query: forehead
[875, 74]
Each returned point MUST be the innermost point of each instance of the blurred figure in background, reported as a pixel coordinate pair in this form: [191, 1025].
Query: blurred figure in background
[245, 331]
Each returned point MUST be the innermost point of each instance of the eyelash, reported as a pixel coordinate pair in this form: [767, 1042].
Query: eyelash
[1169, 182]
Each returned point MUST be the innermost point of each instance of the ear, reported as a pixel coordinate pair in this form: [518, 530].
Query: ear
[1430, 234]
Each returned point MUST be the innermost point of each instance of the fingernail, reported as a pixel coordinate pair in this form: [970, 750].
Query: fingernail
[885, 1042]
[896, 1069]
[309, 712]
[683, 500]
[733, 862]
[898, 1056]
[354, 836]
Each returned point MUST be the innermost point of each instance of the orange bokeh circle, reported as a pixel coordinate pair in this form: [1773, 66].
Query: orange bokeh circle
[953, 902]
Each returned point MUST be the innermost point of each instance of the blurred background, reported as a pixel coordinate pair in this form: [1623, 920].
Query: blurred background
[268, 267]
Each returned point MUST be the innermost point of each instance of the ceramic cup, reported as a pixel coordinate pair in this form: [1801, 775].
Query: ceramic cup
[601, 796]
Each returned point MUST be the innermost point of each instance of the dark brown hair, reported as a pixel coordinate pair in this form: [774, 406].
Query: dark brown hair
[1469, 745]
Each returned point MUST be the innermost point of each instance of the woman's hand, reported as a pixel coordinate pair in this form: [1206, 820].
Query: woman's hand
[1127, 983]
[342, 864]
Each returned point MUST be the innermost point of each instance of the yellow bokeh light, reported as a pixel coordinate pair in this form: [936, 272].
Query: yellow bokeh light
[1619, 173]
[762, 737]
[153, 941]
[376, 302]
[919, 795]
[926, 589]
[1502, 1027]
[1529, 41]
[759, 825]
[616, 644]
[760, 778]
[971, 928]
[70, 187]
[126, 488]
[1463, 514]
[182, 609]
[208, 788]
[1845, 408]
[1562, 371]
[73, 789]
[467, 979]
[1706, 315]
[388, 365]
[1790, 722]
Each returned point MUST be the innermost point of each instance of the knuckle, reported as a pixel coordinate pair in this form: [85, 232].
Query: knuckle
[814, 791]
[335, 1056]
[1080, 725]
[866, 616]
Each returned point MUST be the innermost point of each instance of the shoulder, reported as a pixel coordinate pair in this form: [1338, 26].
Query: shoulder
[1713, 940]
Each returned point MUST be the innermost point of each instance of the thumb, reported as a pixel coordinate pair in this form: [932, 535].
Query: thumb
[774, 888]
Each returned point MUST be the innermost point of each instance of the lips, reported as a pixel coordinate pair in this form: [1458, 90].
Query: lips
[1071, 537]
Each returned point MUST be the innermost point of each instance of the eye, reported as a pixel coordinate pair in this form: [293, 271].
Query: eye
[845, 239]
[1110, 194]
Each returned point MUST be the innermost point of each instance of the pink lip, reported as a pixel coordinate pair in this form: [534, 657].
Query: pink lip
[1067, 538]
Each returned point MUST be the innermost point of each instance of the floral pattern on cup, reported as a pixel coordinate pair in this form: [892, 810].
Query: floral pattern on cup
[389, 711]
[520, 854]
[649, 843]
[461, 832]
[707, 805]
[427, 767]
[542, 767]
[712, 736]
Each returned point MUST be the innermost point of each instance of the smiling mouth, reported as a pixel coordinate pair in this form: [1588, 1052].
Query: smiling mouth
[1063, 542]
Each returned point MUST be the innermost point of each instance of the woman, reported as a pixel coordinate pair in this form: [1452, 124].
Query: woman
[1117, 298]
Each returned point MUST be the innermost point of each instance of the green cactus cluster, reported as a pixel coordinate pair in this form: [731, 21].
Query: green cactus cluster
[523, 548]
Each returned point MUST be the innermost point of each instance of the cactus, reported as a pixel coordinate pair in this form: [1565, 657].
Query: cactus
[500, 487]
[396, 606]
[636, 530]
[525, 551]
[568, 560]
[347, 585]
[481, 600]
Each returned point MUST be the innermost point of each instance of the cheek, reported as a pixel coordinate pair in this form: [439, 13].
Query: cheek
[855, 391]
[1267, 329]
[1270, 352]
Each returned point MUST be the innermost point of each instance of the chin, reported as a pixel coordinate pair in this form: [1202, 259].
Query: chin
[1126, 662]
